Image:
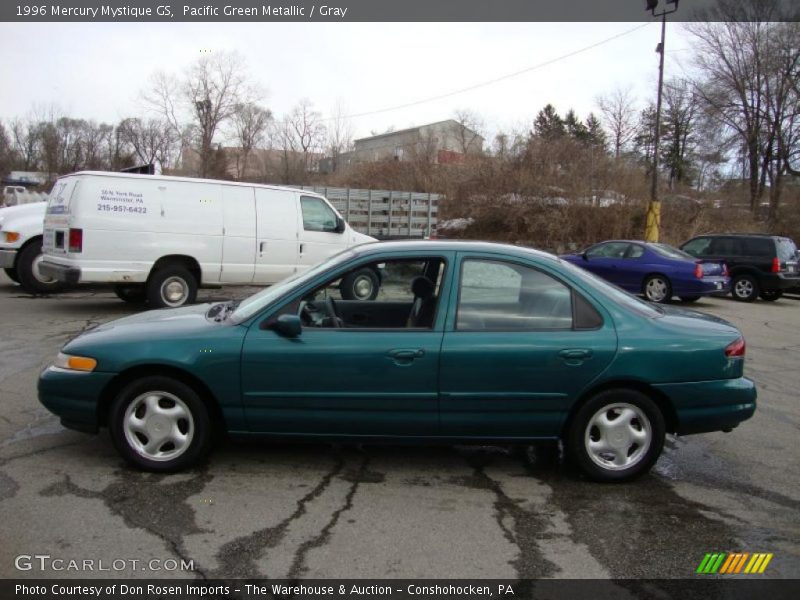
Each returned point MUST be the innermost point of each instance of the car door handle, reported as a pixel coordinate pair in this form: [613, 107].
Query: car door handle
[575, 354]
[405, 356]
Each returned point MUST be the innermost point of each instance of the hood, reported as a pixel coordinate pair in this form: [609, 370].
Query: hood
[357, 238]
[187, 321]
[22, 210]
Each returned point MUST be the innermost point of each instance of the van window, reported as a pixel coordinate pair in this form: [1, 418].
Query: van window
[759, 247]
[59, 198]
[317, 216]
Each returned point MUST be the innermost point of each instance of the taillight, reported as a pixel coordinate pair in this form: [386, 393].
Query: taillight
[698, 271]
[735, 349]
[776, 265]
[725, 270]
[76, 240]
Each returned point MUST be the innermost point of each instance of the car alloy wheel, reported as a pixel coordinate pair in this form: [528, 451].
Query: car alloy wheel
[657, 289]
[618, 436]
[158, 426]
[745, 288]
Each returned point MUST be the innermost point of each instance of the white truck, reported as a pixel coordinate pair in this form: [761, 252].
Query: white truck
[159, 238]
[21, 230]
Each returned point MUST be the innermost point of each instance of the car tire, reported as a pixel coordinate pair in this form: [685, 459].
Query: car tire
[657, 288]
[745, 288]
[171, 286]
[689, 299]
[133, 294]
[153, 440]
[770, 295]
[28, 271]
[360, 285]
[629, 451]
[12, 274]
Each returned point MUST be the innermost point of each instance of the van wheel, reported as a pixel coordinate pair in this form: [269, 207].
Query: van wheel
[616, 436]
[31, 280]
[171, 286]
[12, 274]
[134, 294]
[160, 424]
[360, 285]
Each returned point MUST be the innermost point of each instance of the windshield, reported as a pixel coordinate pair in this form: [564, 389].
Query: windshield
[670, 251]
[617, 294]
[255, 303]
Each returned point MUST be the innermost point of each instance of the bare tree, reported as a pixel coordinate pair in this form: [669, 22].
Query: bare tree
[151, 140]
[250, 124]
[469, 131]
[340, 134]
[618, 108]
[307, 130]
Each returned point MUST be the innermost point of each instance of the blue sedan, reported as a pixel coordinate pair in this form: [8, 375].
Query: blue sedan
[658, 271]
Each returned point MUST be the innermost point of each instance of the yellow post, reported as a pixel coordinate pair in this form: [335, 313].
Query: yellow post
[653, 223]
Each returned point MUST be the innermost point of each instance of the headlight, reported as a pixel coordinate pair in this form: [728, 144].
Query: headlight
[11, 236]
[74, 363]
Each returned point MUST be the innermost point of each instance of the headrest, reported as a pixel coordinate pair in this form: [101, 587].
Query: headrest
[422, 287]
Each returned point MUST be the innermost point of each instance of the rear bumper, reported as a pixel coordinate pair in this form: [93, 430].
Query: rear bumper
[702, 287]
[780, 281]
[62, 273]
[704, 406]
[7, 259]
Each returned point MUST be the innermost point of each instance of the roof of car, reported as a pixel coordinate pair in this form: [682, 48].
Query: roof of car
[764, 235]
[452, 245]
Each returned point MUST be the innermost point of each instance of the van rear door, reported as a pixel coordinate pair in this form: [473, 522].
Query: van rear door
[277, 220]
[56, 219]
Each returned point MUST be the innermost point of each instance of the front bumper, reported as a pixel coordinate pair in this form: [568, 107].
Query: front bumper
[7, 259]
[74, 396]
[62, 273]
[703, 406]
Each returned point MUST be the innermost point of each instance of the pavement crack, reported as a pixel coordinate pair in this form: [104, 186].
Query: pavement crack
[165, 515]
[322, 538]
[237, 558]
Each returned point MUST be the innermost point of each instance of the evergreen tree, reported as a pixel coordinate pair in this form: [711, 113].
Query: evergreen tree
[548, 125]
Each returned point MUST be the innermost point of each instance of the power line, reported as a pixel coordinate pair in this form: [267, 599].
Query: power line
[495, 80]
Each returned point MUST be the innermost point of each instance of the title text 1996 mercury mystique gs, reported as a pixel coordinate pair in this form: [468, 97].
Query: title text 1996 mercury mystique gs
[466, 342]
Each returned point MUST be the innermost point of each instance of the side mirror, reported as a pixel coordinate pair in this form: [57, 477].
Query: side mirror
[340, 225]
[288, 326]
[584, 256]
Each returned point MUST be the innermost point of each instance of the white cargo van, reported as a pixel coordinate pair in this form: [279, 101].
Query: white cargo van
[159, 238]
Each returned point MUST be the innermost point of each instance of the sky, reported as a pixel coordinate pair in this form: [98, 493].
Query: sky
[97, 70]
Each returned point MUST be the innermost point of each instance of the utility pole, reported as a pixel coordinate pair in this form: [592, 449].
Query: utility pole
[653, 223]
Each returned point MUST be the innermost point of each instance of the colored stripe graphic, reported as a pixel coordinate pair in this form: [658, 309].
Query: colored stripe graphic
[733, 563]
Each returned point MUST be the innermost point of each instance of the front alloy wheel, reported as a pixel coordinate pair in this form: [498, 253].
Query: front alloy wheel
[160, 424]
[616, 435]
[657, 289]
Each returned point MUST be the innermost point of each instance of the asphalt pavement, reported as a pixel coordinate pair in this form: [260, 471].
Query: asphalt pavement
[308, 511]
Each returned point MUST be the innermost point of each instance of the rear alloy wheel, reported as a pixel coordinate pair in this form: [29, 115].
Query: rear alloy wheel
[30, 278]
[171, 286]
[771, 295]
[361, 285]
[134, 294]
[12, 274]
[689, 298]
[745, 288]
[657, 288]
[160, 424]
[617, 435]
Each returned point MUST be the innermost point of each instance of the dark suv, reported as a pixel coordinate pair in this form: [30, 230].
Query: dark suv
[759, 264]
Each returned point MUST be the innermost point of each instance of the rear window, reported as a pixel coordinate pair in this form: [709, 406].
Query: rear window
[60, 196]
[670, 252]
[786, 249]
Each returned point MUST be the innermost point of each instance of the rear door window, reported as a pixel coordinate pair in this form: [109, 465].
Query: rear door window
[58, 202]
[725, 247]
[609, 250]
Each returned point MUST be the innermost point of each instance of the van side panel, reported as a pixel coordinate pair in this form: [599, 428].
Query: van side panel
[239, 242]
[276, 240]
[129, 223]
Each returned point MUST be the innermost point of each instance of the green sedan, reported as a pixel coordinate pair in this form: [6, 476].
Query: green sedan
[465, 342]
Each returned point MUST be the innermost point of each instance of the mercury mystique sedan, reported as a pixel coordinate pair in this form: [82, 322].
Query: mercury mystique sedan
[466, 342]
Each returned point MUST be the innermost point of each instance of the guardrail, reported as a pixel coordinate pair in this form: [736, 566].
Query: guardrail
[384, 214]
